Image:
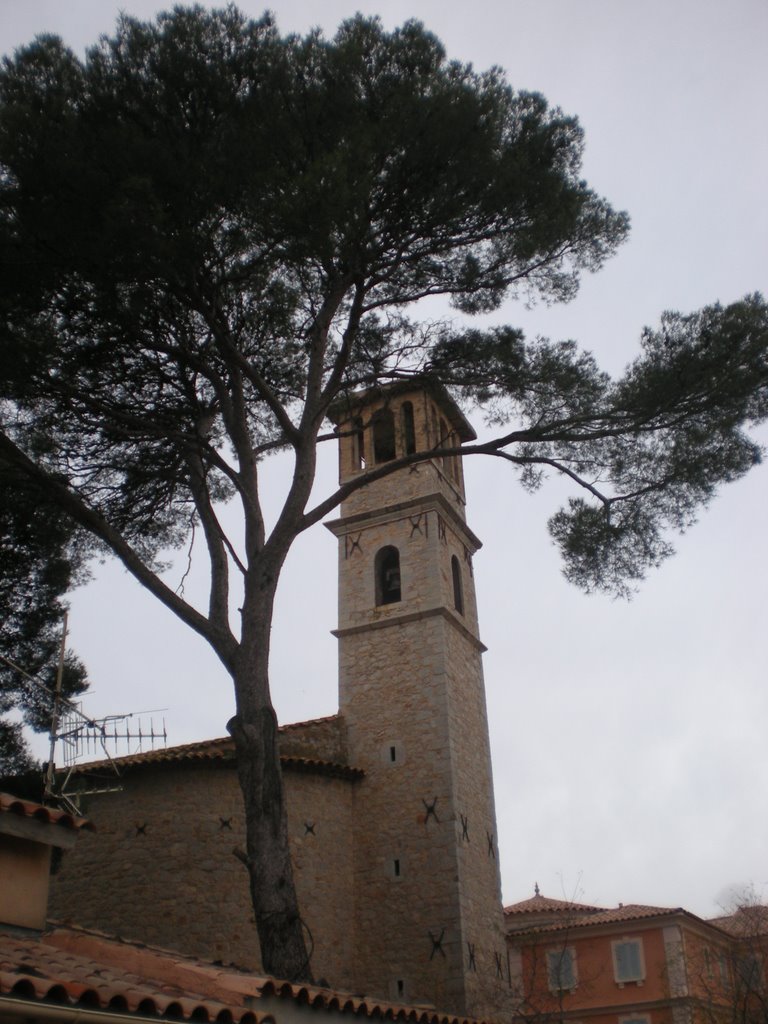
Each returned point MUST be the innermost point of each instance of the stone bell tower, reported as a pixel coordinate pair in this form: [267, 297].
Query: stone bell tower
[428, 917]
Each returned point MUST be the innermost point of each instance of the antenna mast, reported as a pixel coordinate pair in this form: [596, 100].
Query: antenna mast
[80, 734]
[50, 772]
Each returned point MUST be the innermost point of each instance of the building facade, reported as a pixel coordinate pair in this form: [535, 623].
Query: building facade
[636, 964]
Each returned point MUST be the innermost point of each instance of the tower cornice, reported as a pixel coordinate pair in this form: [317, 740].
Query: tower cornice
[402, 620]
[400, 510]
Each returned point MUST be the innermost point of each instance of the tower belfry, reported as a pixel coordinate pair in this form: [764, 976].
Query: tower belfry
[427, 887]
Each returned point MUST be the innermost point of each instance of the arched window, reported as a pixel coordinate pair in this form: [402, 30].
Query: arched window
[458, 589]
[444, 443]
[435, 432]
[358, 445]
[387, 570]
[409, 430]
[383, 436]
[454, 461]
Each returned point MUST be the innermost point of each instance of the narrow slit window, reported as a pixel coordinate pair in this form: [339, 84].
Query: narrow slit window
[383, 436]
[387, 570]
[458, 589]
[409, 429]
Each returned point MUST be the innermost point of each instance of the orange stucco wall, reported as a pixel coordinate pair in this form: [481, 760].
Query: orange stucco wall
[24, 867]
[683, 983]
[596, 985]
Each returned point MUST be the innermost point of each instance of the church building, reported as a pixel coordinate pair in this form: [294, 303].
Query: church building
[390, 802]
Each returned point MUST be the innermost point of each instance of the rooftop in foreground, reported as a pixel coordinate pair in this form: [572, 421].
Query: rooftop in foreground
[70, 967]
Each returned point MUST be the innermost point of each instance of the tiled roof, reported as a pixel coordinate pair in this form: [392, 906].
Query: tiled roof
[359, 1006]
[95, 973]
[545, 905]
[82, 969]
[746, 922]
[29, 809]
[629, 912]
[220, 749]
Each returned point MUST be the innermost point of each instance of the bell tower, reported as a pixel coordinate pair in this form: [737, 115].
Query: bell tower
[428, 916]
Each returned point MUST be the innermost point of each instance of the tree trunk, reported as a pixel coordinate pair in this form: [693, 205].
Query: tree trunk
[254, 730]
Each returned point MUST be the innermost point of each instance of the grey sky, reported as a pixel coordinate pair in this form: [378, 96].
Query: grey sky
[629, 739]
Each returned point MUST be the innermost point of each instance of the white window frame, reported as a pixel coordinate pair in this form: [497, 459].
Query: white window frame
[552, 980]
[626, 940]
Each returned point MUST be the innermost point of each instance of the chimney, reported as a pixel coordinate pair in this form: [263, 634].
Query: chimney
[28, 833]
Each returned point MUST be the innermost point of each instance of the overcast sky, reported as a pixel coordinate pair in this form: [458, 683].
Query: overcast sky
[629, 739]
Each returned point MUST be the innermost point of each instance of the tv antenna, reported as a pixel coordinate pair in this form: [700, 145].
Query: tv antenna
[82, 735]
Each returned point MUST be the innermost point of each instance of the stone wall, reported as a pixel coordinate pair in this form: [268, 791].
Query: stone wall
[160, 866]
[324, 739]
[426, 864]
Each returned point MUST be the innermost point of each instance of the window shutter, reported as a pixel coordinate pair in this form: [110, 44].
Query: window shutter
[566, 970]
[633, 949]
[629, 965]
[560, 967]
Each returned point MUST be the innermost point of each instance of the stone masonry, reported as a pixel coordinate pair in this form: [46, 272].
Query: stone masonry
[427, 890]
[160, 867]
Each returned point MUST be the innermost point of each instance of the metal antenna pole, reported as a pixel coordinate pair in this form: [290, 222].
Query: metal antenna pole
[50, 775]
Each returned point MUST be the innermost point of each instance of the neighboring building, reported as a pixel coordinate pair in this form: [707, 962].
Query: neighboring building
[635, 964]
[747, 970]
[390, 802]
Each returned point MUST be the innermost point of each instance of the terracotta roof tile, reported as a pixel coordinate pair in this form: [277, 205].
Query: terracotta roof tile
[632, 912]
[29, 809]
[220, 749]
[361, 1006]
[629, 912]
[86, 969]
[103, 974]
[539, 904]
[746, 922]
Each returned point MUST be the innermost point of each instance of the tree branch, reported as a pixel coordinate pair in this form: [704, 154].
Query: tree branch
[220, 637]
